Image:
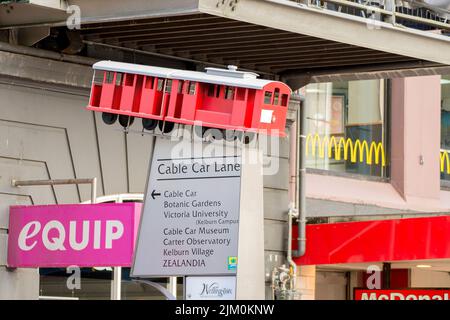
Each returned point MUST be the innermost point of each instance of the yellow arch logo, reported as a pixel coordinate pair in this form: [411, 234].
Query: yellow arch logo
[317, 145]
[445, 162]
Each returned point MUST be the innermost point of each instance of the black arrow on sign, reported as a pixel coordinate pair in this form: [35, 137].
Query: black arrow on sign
[155, 194]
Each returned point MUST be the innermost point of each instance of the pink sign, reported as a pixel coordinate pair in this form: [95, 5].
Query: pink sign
[84, 235]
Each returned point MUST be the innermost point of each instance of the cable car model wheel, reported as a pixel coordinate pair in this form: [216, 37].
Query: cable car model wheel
[213, 134]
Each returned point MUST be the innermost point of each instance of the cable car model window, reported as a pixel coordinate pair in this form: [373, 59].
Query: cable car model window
[267, 97]
[240, 94]
[149, 82]
[128, 81]
[276, 97]
[284, 100]
[98, 77]
[180, 86]
[119, 79]
[160, 84]
[192, 87]
[211, 89]
[218, 91]
[109, 77]
[229, 93]
[168, 85]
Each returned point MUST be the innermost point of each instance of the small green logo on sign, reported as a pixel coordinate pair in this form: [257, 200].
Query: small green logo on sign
[232, 263]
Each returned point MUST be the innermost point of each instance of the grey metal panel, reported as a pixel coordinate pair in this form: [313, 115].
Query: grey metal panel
[22, 169]
[111, 141]
[276, 203]
[20, 284]
[35, 142]
[275, 233]
[277, 174]
[3, 249]
[139, 151]
[7, 200]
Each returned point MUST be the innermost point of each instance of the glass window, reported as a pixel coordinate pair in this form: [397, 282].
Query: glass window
[129, 79]
[192, 87]
[240, 94]
[149, 82]
[445, 128]
[346, 127]
[276, 97]
[160, 84]
[119, 79]
[168, 86]
[284, 100]
[180, 86]
[109, 77]
[211, 89]
[229, 93]
[268, 97]
[99, 75]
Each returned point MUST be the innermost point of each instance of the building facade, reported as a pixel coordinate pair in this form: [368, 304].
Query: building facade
[377, 142]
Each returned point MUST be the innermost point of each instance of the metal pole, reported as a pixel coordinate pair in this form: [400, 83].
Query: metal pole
[116, 287]
[53, 182]
[22, 183]
[301, 190]
[172, 286]
[116, 283]
[293, 177]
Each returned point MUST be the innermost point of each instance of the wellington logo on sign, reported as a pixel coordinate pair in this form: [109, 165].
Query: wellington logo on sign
[213, 290]
[65, 235]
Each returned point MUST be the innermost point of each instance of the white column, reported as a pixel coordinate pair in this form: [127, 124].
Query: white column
[250, 269]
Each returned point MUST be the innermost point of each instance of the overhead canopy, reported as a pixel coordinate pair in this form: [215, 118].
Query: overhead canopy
[276, 38]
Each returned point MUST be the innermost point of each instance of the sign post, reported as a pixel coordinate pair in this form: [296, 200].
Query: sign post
[190, 224]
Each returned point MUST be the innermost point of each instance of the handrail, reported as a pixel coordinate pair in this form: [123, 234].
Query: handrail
[390, 11]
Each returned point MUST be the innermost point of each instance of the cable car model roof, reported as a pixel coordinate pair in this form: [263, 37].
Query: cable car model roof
[228, 77]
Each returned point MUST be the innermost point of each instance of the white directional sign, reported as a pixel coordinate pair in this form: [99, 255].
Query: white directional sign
[190, 219]
[210, 288]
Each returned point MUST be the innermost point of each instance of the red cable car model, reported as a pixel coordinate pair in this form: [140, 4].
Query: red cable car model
[224, 99]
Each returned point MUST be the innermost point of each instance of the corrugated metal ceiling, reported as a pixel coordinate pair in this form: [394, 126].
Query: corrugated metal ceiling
[224, 41]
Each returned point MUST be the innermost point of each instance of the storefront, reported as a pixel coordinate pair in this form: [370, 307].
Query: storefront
[380, 259]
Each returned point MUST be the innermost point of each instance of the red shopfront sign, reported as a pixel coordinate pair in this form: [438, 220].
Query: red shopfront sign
[80, 235]
[410, 294]
[425, 238]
